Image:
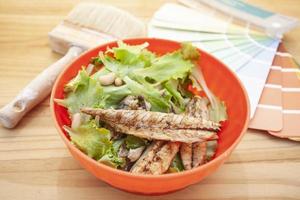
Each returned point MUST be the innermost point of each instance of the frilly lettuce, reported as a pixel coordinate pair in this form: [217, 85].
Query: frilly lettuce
[93, 141]
[133, 142]
[111, 157]
[114, 95]
[120, 69]
[83, 91]
[143, 71]
[189, 52]
[172, 87]
[96, 143]
[130, 54]
[158, 101]
[164, 68]
[176, 165]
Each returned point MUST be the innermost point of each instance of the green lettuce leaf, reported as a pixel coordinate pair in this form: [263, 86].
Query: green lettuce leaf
[114, 95]
[127, 58]
[96, 143]
[133, 142]
[176, 165]
[117, 144]
[129, 54]
[158, 101]
[147, 57]
[189, 52]
[111, 157]
[172, 88]
[112, 160]
[120, 69]
[93, 141]
[85, 92]
[164, 68]
[80, 80]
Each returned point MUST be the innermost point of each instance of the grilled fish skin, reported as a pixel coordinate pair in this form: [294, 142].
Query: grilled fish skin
[180, 135]
[157, 158]
[163, 158]
[198, 107]
[191, 153]
[186, 155]
[148, 119]
[198, 152]
[147, 157]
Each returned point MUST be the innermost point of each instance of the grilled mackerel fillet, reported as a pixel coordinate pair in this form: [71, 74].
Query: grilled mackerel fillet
[179, 135]
[147, 157]
[148, 119]
[156, 158]
[163, 158]
[194, 155]
[186, 151]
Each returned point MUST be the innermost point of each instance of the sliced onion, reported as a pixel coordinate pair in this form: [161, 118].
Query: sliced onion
[89, 69]
[197, 74]
[76, 121]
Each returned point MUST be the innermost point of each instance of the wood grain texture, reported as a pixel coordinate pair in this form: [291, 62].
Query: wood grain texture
[34, 163]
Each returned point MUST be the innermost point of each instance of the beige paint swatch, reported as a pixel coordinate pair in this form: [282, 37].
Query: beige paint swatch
[268, 115]
[290, 96]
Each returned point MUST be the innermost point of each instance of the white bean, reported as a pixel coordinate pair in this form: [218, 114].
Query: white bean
[76, 121]
[118, 81]
[107, 79]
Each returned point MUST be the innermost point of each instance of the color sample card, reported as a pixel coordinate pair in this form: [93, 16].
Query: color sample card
[268, 115]
[278, 110]
[273, 23]
[249, 53]
[290, 96]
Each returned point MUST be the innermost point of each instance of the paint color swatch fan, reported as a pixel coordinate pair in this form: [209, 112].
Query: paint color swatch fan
[245, 47]
[278, 111]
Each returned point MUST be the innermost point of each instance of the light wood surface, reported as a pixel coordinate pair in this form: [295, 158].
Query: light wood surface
[34, 163]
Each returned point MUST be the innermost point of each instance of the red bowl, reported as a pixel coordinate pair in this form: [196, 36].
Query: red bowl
[220, 79]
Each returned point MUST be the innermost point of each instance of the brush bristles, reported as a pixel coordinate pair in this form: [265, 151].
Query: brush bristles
[106, 19]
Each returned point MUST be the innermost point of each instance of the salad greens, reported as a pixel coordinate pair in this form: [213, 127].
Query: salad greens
[162, 81]
[158, 101]
[83, 91]
[176, 165]
[133, 142]
[94, 141]
[169, 66]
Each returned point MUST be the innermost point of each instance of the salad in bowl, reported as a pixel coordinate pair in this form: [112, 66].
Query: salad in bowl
[144, 113]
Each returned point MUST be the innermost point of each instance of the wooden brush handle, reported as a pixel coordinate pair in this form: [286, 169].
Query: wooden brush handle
[35, 91]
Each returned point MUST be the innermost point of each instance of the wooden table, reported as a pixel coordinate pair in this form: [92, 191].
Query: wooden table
[34, 163]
